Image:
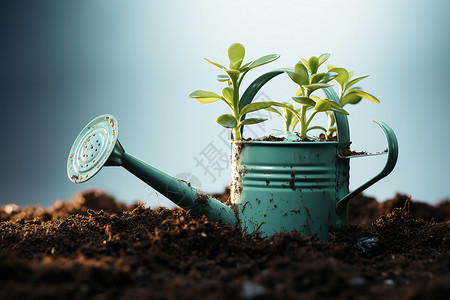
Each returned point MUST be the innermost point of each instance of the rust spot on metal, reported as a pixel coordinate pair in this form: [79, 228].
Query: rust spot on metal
[245, 205]
[267, 181]
[74, 177]
[307, 211]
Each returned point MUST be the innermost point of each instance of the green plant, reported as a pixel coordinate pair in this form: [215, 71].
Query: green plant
[230, 94]
[348, 94]
[305, 75]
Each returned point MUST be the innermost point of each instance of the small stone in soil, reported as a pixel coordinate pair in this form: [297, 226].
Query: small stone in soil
[369, 247]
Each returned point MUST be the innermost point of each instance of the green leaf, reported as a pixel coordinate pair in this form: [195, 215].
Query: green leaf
[350, 98]
[254, 107]
[234, 74]
[245, 67]
[301, 70]
[304, 101]
[305, 62]
[316, 127]
[205, 96]
[329, 67]
[236, 52]
[366, 95]
[215, 64]
[263, 60]
[227, 93]
[294, 122]
[323, 58]
[339, 110]
[227, 121]
[322, 105]
[273, 110]
[352, 82]
[222, 78]
[313, 64]
[329, 76]
[252, 121]
[317, 77]
[295, 77]
[315, 86]
[236, 65]
[342, 78]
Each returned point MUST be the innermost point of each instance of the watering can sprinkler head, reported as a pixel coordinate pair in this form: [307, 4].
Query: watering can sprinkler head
[97, 145]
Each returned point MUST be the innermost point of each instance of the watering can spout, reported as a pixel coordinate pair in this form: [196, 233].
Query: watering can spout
[97, 146]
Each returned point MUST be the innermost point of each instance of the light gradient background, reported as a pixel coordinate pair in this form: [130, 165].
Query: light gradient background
[65, 62]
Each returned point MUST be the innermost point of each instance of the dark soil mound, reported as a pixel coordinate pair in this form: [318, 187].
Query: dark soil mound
[76, 250]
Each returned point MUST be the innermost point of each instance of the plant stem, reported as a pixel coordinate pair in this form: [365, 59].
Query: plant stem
[303, 126]
[237, 129]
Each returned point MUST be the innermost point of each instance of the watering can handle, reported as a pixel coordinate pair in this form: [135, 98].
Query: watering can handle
[392, 151]
[344, 143]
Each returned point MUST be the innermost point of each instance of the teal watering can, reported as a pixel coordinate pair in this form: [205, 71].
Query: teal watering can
[275, 186]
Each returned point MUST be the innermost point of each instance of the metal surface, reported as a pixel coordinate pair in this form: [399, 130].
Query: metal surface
[92, 148]
[286, 186]
[389, 166]
[97, 145]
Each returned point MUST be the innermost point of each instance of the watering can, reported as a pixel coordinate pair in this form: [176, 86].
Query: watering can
[275, 187]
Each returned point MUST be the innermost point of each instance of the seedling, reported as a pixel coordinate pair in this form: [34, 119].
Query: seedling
[348, 94]
[230, 94]
[305, 74]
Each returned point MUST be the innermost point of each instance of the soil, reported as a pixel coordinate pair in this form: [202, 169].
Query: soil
[95, 247]
[348, 152]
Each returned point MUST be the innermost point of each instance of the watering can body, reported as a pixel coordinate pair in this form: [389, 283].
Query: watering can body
[286, 186]
[276, 186]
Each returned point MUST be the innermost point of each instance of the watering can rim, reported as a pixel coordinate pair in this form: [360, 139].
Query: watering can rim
[285, 142]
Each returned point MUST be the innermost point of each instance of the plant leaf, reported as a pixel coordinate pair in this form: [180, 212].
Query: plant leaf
[313, 64]
[329, 76]
[222, 78]
[322, 105]
[342, 78]
[252, 121]
[316, 127]
[301, 70]
[366, 95]
[329, 67]
[295, 77]
[236, 52]
[254, 107]
[263, 60]
[352, 82]
[323, 58]
[273, 110]
[339, 110]
[227, 93]
[304, 101]
[305, 62]
[350, 98]
[215, 64]
[205, 96]
[315, 78]
[227, 121]
[234, 74]
[315, 86]
[236, 65]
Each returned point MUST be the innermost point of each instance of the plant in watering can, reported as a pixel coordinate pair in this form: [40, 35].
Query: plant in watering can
[306, 74]
[233, 76]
